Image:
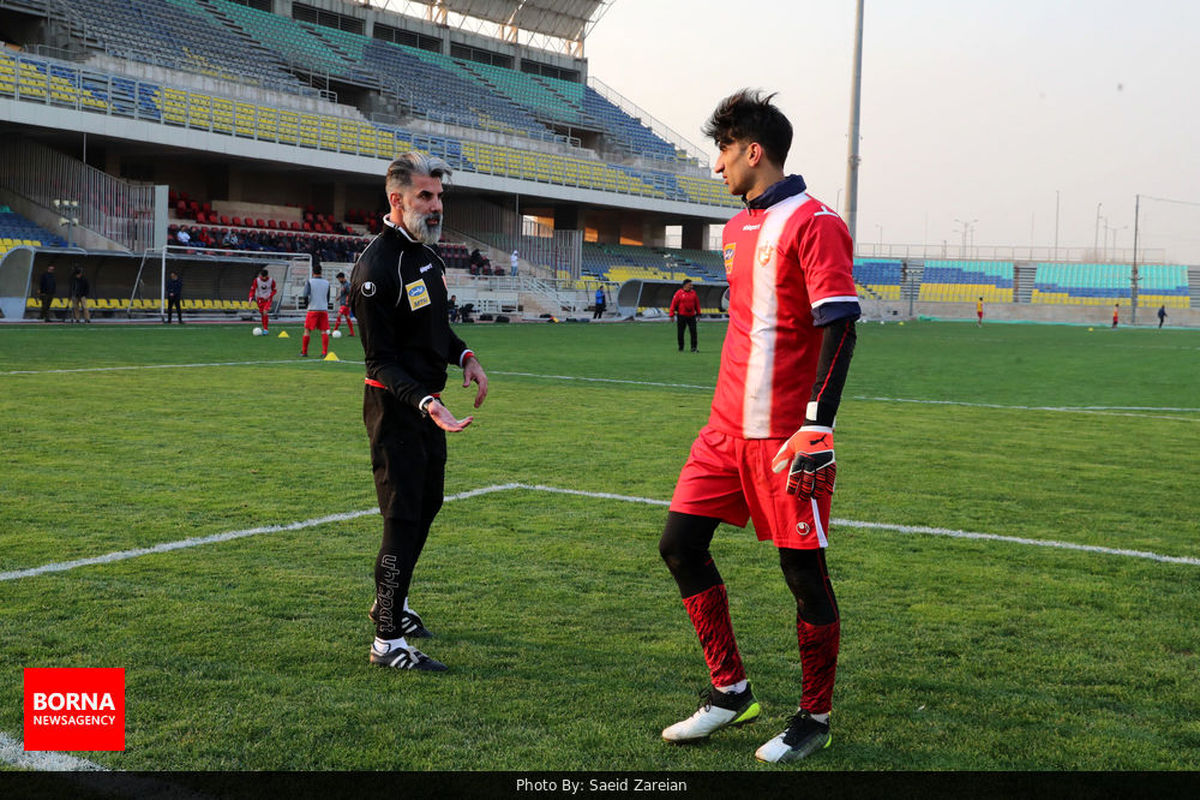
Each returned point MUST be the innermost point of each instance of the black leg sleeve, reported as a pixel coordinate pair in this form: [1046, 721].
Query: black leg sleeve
[808, 578]
[684, 547]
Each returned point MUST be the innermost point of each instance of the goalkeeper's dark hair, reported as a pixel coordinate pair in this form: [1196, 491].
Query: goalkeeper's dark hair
[748, 116]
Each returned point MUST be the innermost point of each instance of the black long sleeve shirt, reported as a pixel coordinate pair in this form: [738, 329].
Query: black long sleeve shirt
[398, 293]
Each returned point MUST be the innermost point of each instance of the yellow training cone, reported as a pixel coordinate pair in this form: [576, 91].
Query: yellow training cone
[283, 335]
[332, 356]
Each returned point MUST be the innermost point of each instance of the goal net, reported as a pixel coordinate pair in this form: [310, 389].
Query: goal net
[219, 280]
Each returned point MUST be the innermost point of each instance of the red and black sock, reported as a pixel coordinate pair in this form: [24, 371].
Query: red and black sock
[709, 612]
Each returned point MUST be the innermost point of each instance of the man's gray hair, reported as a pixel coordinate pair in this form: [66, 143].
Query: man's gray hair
[401, 171]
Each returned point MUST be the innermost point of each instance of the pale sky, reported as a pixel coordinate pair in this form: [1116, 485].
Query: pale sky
[971, 109]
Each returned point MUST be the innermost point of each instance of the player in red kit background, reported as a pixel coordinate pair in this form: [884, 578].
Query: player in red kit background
[262, 292]
[792, 307]
[316, 318]
[685, 307]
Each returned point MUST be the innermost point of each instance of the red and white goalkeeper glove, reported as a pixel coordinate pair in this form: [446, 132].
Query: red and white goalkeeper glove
[813, 467]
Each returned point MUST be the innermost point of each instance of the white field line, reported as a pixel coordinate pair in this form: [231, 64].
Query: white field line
[1113, 411]
[152, 366]
[12, 751]
[122, 555]
[63, 566]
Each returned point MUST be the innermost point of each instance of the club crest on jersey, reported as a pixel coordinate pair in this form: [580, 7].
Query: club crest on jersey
[368, 289]
[730, 249]
[764, 253]
[418, 294]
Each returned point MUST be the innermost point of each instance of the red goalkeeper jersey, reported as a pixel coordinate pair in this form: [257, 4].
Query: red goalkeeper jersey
[783, 263]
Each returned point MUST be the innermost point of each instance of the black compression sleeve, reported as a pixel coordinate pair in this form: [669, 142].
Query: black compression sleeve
[837, 348]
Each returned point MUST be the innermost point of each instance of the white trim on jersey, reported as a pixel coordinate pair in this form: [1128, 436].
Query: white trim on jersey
[817, 523]
[841, 298]
[758, 389]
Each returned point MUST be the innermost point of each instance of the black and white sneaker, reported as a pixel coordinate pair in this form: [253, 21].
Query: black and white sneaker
[405, 658]
[410, 624]
[803, 737]
[719, 710]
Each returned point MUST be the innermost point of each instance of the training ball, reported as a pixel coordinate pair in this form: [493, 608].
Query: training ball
[901, 323]
[337, 334]
[1091, 329]
[257, 332]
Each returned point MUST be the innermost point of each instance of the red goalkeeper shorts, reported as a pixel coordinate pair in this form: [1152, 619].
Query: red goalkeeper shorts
[730, 478]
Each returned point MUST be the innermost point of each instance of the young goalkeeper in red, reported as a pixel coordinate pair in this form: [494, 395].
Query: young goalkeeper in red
[262, 292]
[792, 307]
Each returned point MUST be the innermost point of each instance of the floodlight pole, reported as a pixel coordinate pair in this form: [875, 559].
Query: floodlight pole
[855, 102]
[1133, 291]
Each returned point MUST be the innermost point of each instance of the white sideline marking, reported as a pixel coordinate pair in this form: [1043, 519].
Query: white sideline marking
[707, 388]
[122, 555]
[1109, 411]
[63, 566]
[150, 366]
[1104, 411]
[12, 751]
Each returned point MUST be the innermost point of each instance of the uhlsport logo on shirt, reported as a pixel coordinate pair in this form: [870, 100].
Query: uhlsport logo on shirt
[74, 709]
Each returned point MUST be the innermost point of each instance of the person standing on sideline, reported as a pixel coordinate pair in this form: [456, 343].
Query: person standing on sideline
[979, 313]
[174, 298]
[792, 308]
[316, 300]
[601, 303]
[1116, 313]
[47, 288]
[262, 292]
[513, 261]
[343, 303]
[80, 289]
[685, 307]
[398, 293]
[1162, 315]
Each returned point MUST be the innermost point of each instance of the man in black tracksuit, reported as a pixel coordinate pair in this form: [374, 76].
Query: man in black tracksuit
[398, 293]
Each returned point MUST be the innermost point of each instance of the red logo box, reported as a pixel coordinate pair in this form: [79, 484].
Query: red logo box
[74, 709]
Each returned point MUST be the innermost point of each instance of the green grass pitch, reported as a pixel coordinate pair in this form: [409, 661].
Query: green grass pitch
[568, 645]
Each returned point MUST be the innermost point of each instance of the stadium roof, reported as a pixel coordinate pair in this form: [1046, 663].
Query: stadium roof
[568, 20]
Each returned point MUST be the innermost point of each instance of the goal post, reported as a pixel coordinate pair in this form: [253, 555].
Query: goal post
[222, 277]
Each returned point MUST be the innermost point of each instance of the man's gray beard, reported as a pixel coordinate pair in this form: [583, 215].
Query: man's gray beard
[419, 228]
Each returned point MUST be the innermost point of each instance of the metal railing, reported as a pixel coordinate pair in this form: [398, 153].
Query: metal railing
[971, 252]
[116, 209]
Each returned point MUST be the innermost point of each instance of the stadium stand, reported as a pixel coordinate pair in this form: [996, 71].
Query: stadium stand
[113, 94]
[617, 263]
[1105, 284]
[965, 281]
[881, 279]
[181, 34]
[17, 231]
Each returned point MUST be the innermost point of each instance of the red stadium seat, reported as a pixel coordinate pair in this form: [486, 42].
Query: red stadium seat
[236, 222]
[224, 220]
